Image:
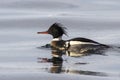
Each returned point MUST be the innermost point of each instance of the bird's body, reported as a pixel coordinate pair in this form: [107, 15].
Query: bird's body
[79, 44]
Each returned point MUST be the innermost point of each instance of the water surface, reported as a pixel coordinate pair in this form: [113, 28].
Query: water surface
[20, 20]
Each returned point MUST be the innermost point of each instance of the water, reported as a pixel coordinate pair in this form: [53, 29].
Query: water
[20, 20]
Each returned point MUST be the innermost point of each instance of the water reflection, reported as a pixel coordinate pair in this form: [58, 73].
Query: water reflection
[57, 63]
[81, 72]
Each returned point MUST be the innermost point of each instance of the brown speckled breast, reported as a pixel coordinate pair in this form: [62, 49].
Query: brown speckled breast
[58, 44]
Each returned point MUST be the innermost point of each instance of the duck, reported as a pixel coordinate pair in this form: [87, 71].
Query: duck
[78, 44]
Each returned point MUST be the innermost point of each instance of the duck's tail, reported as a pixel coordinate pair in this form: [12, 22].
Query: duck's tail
[106, 46]
[115, 48]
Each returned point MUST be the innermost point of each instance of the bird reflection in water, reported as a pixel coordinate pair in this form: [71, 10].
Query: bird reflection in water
[57, 63]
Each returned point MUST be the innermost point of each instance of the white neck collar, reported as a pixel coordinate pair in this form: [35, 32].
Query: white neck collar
[57, 39]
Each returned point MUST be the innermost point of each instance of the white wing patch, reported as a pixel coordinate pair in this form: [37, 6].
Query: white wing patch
[79, 42]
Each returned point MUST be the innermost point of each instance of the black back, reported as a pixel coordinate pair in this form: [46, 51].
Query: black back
[83, 40]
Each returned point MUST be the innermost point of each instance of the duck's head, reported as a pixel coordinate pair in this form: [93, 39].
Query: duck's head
[56, 30]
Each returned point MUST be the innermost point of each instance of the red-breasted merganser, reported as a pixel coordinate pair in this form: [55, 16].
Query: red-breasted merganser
[78, 44]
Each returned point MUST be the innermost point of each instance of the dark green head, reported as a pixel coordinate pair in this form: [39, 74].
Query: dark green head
[56, 30]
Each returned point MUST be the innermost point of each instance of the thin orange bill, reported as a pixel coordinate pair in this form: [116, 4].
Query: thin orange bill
[45, 32]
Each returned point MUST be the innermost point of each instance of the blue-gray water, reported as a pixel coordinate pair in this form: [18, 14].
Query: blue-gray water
[20, 20]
